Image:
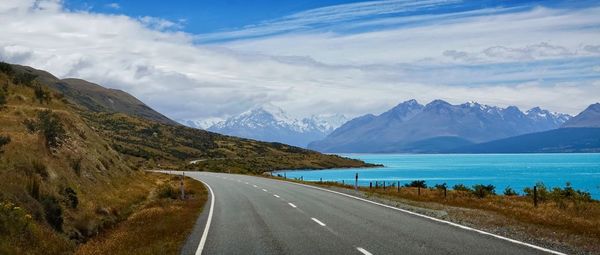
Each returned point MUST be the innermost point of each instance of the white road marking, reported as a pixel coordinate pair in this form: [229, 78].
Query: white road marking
[255, 186]
[435, 219]
[276, 196]
[292, 205]
[210, 214]
[318, 222]
[363, 251]
[265, 190]
[246, 183]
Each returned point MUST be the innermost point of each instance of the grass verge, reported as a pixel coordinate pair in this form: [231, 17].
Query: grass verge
[160, 225]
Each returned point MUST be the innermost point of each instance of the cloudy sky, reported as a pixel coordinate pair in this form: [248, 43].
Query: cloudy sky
[212, 59]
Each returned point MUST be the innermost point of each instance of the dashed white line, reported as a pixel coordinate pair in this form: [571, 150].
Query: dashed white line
[363, 251]
[276, 196]
[246, 183]
[292, 205]
[255, 186]
[265, 190]
[318, 222]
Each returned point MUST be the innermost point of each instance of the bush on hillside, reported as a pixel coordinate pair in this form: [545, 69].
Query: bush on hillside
[71, 196]
[48, 123]
[482, 191]
[6, 68]
[417, 184]
[42, 95]
[25, 79]
[461, 187]
[4, 140]
[53, 212]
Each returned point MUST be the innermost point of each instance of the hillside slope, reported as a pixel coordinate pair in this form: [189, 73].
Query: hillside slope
[68, 172]
[553, 141]
[96, 98]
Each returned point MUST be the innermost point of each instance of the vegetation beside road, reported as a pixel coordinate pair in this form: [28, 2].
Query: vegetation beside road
[563, 217]
[171, 221]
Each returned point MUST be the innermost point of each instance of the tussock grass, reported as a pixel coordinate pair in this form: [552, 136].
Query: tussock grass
[172, 220]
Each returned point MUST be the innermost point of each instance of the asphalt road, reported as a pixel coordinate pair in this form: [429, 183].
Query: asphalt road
[253, 215]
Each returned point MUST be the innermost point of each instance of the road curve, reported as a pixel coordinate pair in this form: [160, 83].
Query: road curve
[253, 215]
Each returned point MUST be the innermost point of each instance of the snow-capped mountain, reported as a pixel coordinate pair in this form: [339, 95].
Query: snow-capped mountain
[272, 124]
[437, 126]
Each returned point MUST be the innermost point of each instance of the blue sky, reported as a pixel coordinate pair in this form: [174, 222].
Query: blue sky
[210, 16]
[208, 60]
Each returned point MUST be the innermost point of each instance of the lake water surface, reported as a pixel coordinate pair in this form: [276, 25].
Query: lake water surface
[515, 170]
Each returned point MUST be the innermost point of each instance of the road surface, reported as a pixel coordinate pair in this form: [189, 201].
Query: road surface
[253, 215]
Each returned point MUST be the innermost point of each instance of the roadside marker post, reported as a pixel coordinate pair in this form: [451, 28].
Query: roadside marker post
[356, 182]
[398, 186]
[181, 186]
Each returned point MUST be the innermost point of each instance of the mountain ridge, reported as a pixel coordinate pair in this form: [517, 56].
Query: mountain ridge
[408, 123]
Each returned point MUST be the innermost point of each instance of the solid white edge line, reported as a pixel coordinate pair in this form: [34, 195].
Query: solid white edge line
[436, 219]
[292, 205]
[318, 222]
[208, 221]
[363, 251]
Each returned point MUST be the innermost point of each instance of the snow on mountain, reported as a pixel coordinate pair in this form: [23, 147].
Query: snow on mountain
[437, 126]
[271, 123]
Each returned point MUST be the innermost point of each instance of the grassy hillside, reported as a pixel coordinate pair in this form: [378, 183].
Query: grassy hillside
[95, 98]
[69, 171]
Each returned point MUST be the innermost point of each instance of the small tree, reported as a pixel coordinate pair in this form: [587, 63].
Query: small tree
[25, 79]
[461, 187]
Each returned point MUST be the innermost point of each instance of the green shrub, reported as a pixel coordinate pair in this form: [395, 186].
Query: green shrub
[482, 191]
[442, 186]
[52, 129]
[6, 68]
[25, 79]
[508, 191]
[461, 187]
[167, 191]
[542, 192]
[53, 212]
[42, 95]
[71, 195]
[4, 140]
[417, 184]
[14, 220]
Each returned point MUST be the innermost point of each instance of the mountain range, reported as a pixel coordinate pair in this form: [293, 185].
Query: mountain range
[436, 127]
[272, 124]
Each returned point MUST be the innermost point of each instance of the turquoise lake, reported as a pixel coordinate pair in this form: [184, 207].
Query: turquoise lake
[501, 170]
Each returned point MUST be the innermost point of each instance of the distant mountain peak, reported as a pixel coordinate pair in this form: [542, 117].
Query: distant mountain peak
[590, 117]
[271, 123]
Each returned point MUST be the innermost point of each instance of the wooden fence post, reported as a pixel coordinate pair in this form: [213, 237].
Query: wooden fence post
[419, 190]
[398, 186]
[370, 185]
[181, 186]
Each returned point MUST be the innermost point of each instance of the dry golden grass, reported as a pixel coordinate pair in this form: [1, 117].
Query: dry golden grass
[160, 226]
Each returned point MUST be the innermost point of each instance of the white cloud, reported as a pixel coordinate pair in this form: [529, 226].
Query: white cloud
[115, 6]
[313, 72]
